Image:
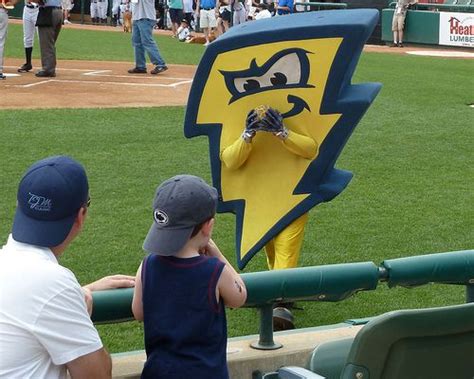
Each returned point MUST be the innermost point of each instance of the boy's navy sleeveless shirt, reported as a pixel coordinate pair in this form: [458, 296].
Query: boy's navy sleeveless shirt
[185, 326]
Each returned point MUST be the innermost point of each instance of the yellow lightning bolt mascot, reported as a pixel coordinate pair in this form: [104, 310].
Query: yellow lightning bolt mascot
[276, 101]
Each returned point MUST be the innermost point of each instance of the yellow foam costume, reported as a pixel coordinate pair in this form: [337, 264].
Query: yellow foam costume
[284, 249]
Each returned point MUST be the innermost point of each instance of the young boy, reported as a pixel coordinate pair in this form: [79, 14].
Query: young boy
[183, 31]
[182, 286]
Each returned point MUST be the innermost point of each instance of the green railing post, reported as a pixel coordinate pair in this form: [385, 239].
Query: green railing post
[470, 292]
[266, 341]
[82, 11]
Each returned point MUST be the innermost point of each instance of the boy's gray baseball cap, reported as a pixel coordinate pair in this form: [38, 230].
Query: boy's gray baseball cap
[180, 204]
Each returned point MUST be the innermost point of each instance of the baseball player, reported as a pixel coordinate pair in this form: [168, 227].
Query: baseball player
[116, 12]
[99, 11]
[3, 37]
[30, 14]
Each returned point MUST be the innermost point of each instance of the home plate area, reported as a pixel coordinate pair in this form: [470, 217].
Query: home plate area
[86, 84]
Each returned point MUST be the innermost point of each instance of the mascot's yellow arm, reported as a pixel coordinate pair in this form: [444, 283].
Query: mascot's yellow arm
[236, 154]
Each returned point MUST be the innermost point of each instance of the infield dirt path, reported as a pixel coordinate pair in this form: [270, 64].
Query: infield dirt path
[89, 84]
[93, 84]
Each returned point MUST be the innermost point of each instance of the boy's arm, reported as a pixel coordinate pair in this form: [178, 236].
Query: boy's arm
[231, 287]
[137, 303]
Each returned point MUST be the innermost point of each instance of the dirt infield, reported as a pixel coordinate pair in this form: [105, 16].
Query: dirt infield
[90, 84]
[86, 84]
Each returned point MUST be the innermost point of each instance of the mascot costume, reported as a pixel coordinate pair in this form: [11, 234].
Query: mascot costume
[275, 99]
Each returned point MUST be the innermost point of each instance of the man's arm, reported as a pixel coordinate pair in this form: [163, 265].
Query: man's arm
[96, 365]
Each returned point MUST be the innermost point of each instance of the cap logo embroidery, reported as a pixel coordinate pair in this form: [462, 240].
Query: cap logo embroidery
[39, 203]
[160, 217]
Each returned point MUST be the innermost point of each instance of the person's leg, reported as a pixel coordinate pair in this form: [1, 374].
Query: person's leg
[3, 37]
[29, 20]
[148, 42]
[46, 39]
[270, 253]
[288, 244]
[140, 60]
[401, 26]
[394, 30]
[212, 21]
[204, 24]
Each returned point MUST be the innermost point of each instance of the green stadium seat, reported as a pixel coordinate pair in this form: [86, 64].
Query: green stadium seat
[422, 343]
[463, 2]
[450, 2]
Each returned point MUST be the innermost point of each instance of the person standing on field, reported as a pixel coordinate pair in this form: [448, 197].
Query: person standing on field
[144, 20]
[30, 14]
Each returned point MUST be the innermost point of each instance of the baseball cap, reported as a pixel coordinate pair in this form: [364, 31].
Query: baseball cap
[49, 196]
[180, 203]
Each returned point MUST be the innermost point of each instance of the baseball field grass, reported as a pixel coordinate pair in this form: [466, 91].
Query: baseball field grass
[411, 156]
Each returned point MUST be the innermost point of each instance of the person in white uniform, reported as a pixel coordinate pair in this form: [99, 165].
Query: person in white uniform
[45, 325]
[30, 14]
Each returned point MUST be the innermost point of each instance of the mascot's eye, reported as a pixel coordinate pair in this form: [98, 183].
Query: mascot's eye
[251, 84]
[278, 79]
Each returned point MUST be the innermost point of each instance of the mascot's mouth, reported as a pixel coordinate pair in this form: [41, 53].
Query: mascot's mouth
[299, 105]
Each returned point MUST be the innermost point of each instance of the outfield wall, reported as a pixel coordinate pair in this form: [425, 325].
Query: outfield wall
[433, 28]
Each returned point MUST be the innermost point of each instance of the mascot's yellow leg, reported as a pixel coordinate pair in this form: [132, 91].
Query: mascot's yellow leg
[283, 251]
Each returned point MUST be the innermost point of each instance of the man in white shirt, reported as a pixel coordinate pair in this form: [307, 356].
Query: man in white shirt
[45, 325]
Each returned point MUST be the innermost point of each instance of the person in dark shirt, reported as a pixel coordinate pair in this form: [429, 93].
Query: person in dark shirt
[183, 285]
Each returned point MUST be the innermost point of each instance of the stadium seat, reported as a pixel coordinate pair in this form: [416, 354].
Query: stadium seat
[450, 2]
[422, 343]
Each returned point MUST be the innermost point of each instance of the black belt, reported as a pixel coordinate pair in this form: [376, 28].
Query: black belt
[31, 6]
[207, 9]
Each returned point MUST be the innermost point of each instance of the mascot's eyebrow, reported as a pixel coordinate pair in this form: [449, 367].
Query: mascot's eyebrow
[258, 71]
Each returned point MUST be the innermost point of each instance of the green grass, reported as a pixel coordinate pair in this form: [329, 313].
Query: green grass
[412, 191]
[103, 46]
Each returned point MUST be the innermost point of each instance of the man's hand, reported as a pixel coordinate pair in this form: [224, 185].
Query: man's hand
[111, 282]
[88, 299]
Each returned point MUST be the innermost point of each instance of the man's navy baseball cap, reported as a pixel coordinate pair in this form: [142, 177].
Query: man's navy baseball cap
[181, 203]
[49, 196]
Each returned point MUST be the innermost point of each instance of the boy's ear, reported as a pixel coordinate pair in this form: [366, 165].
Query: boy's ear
[207, 227]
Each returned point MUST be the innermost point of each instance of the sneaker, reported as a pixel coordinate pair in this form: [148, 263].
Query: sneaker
[400, 44]
[207, 43]
[282, 319]
[2, 77]
[158, 70]
[67, 22]
[45, 74]
[393, 45]
[25, 68]
[137, 70]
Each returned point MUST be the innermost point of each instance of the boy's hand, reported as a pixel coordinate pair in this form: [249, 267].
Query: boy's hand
[211, 250]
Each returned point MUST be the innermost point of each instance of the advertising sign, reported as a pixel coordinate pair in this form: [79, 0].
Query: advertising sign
[456, 29]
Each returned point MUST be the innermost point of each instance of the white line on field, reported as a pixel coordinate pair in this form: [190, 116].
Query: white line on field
[94, 73]
[34, 84]
[173, 85]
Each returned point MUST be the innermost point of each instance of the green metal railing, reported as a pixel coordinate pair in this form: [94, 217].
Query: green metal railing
[439, 7]
[319, 283]
[309, 6]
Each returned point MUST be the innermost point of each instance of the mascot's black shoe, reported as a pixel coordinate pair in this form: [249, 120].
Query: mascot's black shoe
[25, 68]
[282, 319]
[45, 74]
